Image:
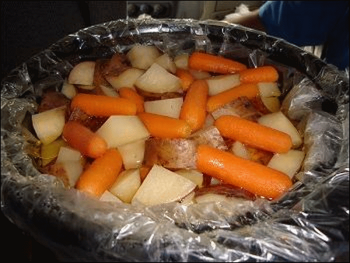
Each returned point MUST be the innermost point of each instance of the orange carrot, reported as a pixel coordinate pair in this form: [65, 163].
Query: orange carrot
[259, 74]
[247, 90]
[101, 174]
[164, 126]
[214, 63]
[254, 177]
[83, 139]
[100, 105]
[193, 109]
[253, 134]
[131, 94]
[185, 77]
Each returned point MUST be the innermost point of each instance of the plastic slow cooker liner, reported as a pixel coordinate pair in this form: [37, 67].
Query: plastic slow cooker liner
[309, 223]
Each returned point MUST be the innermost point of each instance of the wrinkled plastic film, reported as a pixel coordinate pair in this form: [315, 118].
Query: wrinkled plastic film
[309, 223]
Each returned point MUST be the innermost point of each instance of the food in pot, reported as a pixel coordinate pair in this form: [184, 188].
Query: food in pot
[145, 127]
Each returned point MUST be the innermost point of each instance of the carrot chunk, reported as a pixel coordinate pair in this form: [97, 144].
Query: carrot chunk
[185, 77]
[244, 90]
[131, 94]
[100, 105]
[193, 109]
[254, 177]
[164, 126]
[214, 63]
[253, 134]
[101, 174]
[83, 139]
[259, 74]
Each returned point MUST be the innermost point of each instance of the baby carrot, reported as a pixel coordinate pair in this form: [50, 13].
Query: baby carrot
[214, 63]
[254, 177]
[131, 94]
[83, 139]
[101, 174]
[193, 109]
[259, 74]
[253, 134]
[165, 127]
[247, 90]
[185, 76]
[100, 105]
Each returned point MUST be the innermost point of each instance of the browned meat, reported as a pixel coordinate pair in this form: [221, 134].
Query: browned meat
[170, 153]
[210, 136]
[241, 107]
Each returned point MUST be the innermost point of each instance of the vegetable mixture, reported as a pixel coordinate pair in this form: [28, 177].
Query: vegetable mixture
[144, 127]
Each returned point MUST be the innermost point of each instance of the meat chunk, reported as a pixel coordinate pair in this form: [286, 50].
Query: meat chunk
[210, 136]
[170, 153]
[241, 107]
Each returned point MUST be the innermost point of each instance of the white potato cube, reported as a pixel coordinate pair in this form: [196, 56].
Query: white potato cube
[158, 80]
[162, 186]
[240, 150]
[278, 121]
[166, 62]
[48, 125]
[288, 163]
[269, 89]
[166, 107]
[67, 153]
[68, 90]
[126, 185]
[82, 73]
[221, 83]
[132, 153]
[142, 57]
[126, 79]
[122, 129]
[181, 61]
[193, 175]
[107, 196]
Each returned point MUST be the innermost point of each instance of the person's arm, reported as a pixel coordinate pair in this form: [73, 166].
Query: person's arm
[250, 19]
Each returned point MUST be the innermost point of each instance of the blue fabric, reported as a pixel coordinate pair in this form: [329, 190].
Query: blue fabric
[309, 23]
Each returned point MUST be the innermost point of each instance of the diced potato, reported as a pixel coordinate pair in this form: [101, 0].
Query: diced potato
[142, 57]
[162, 186]
[48, 125]
[68, 90]
[193, 175]
[272, 103]
[158, 80]
[132, 153]
[107, 196]
[181, 61]
[122, 129]
[109, 91]
[269, 89]
[126, 79]
[220, 83]
[166, 107]
[126, 185]
[82, 73]
[288, 163]
[166, 62]
[279, 121]
[240, 150]
[67, 153]
[49, 152]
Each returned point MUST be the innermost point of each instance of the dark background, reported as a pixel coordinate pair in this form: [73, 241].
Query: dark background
[27, 28]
